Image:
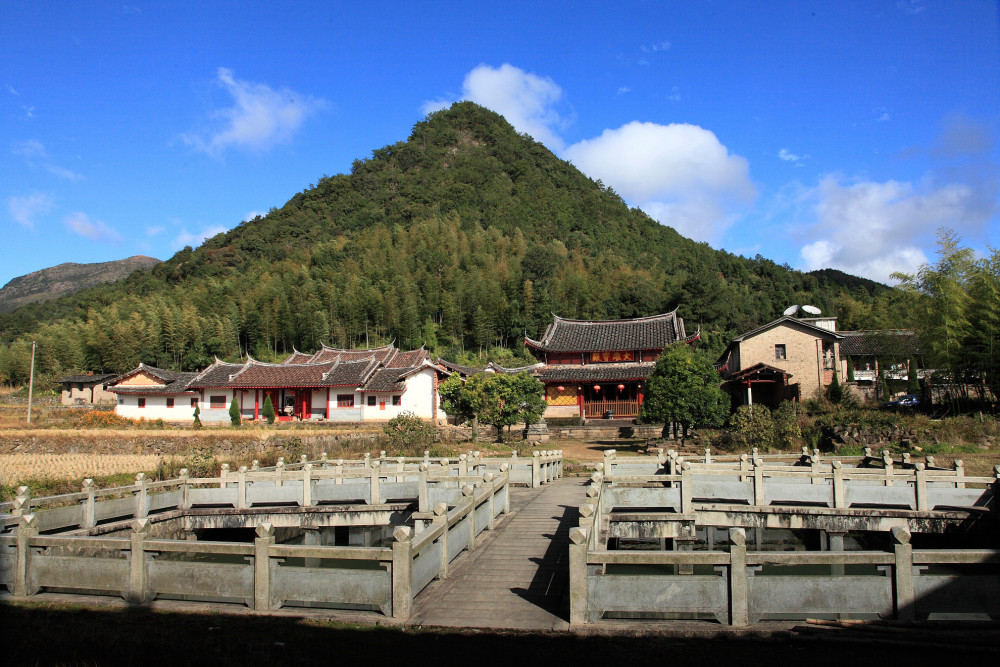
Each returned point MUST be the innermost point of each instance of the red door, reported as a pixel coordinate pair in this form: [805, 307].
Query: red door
[381, 403]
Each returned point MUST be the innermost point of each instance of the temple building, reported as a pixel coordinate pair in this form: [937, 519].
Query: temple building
[597, 368]
[331, 385]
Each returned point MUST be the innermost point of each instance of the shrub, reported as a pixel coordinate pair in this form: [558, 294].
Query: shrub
[835, 392]
[406, 431]
[753, 426]
[103, 419]
[268, 410]
[197, 419]
[234, 413]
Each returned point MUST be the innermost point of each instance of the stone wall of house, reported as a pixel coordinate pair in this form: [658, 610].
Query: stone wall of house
[803, 357]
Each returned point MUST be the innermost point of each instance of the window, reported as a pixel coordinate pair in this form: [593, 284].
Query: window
[121, 400]
[397, 400]
[371, 401]
[345, 400]
[194, 402]
[217, 402]
[779, 352]
[142, 402]
[170, 402]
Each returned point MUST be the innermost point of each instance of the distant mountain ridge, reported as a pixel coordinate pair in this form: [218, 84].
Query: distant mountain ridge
[67, 278]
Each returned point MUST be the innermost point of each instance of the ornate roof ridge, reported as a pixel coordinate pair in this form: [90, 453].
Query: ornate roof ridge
[647, 318]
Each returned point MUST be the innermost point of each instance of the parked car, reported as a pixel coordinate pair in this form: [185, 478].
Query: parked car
[906, 401]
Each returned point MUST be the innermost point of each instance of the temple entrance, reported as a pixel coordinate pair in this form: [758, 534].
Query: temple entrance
[621, 399]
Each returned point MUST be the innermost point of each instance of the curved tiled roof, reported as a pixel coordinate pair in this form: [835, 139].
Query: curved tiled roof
[892, 342]
[596, 372]
[641, 333]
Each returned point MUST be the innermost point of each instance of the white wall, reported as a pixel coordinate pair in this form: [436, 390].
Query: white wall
[156, 408]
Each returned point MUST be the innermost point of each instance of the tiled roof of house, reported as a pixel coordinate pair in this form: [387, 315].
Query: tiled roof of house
[326, 354]
[258, 375]
[596, 372]
[891, 342]
[759, 369]
[642, 333]
[793, 322]
[88, 379]
[388, 380]
[458, 368]
[407, 359]
[174, 382]
[217, 375]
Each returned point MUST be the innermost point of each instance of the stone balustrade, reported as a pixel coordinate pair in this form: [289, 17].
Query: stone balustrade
[141, 568]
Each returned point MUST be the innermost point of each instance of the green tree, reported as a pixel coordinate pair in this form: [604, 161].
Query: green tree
[268, 410]
[912, 382]
[197, 419]
[511, 399]
[234, 413]
[835, 392]
[684, 389]
[464, 399]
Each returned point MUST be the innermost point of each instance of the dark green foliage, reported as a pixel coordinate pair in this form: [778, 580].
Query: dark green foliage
[684, 389]
[468, 225]
[234, 413]
[850, 370]
[912, 381]
[268, 410]
[407, 433]
[835, 392]
[496, 399]
[197, 419]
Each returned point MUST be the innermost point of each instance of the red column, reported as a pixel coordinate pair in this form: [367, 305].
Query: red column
[579, 399]
[328, 403]
[256, 404]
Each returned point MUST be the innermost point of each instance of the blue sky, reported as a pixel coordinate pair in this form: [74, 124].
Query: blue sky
[817, 134]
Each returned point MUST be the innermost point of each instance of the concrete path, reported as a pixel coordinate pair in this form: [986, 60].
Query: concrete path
[517, 577]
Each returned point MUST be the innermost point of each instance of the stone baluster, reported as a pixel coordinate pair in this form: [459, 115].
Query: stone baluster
[686, 490]
[759, 495]
[959, 474]
[920, 486]
[536, 470]
[505, 470]
[22, 501]
[324, 463]
[307, 499]
[708, 455]
[402, 572]
[262, 567]
[469, 492]
[889, 467]
[422, 499]
[839, 498]
[302, 459]
[255, 465]
[373, 476]
[241, 488]
[338, 469]
[185, 489]
[89, 505]
[441, 519]
[427, 458]
[578, 575]
[141, 496]
[400, 467]
[744, 467]
[27, 528]
[488, 482]
[223, 475]
[137, 562]
[368, 460]
[609, 461]
[930, 461]
[739, 585]
[463, 465]
[279, 471]
[903, 572]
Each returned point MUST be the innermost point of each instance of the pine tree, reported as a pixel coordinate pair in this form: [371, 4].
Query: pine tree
[234, 413]
[197, 419]
[268, 410]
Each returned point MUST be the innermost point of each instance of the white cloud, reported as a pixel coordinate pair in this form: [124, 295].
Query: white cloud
[254, 214]
[30, 149]
[430, 106]
[675, 94]
[260, 118]
[25, 209]
[525, 100]
[155, 230]
[63, 172]
[653, 48]
[623, 90]
[788, 156]
[881, 114]
[80, 223]
[874, 228]
[186, 238]
[679, 174]
[10, 89]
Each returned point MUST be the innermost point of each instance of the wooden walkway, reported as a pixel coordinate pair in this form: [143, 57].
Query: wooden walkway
[518, 576]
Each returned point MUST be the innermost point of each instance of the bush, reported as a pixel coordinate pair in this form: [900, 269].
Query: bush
[753, 426]
[407, 432]
[197, 419]
[234, 413]
[268, 410]
[103, 419]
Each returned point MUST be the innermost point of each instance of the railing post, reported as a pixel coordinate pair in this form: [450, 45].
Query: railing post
[89, 505]
[470, 495]
[815, 472]
[903, 571]
[224, 474]
[27, 527]
[400, 467]
[505, 470]
[141, 497]
[402, 572]
[427, 458]
[888, 463]
[338, 469]
[463, 465]
[22, 501]
[307, 500]
[185, 489]
[686, 505]
[137, 562]
[839, 499]
[739, 585]
[323, 462]
[279, 471]
[759, 497]
[959, 474]
[368, 460]
[708, 455]
[609, 460]
[488, 481]
[577, 576]
[376, 492]
[422, 500]
[536, 479]
[441, 518]
[262, 567]
[744, 468]
[241, 488]
[920, 486]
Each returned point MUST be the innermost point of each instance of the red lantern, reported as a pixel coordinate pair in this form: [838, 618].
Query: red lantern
[621, 387]
[561, 388]
[597, 387]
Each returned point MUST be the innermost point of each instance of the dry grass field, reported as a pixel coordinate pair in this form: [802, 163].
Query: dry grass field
[19, 468]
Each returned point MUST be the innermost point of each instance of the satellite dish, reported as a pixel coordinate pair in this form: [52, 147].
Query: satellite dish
[812, 310]
[791, 310]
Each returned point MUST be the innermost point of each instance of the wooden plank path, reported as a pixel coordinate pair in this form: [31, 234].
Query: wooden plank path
[518, 577]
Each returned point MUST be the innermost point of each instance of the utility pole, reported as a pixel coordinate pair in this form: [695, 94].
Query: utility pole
[31, 379]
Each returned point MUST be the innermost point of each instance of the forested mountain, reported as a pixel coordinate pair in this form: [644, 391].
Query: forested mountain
[461, 238]
[67, 278]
